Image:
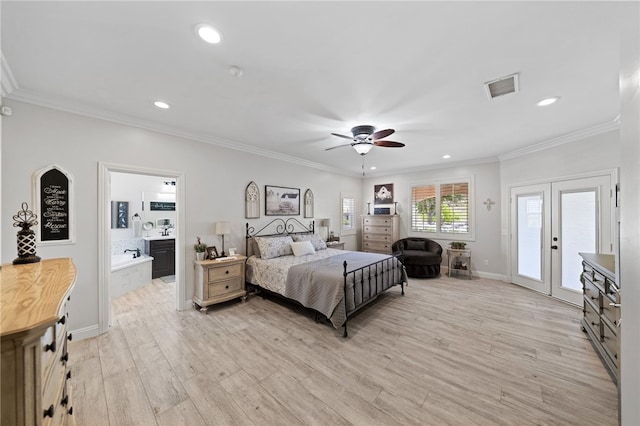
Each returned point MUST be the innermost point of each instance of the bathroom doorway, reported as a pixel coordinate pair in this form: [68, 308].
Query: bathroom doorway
[152, 215]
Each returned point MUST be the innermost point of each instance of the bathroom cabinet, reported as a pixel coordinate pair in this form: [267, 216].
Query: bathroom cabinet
[163, 252]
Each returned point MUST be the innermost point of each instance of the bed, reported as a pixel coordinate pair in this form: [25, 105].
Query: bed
[286, 258]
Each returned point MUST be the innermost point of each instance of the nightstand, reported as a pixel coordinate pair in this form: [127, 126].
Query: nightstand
[219, 280]
[459, 260]
[335, 245]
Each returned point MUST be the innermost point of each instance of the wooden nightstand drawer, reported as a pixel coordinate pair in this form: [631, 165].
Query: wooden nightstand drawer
[224, 272]
[224, 287]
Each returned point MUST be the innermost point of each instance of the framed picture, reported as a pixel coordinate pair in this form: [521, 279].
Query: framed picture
[383, 194]
[212, 252]
[53, 203]
[281, 201]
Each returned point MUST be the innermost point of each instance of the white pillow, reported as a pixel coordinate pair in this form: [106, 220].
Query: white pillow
[271, 247]
[316, 240]
[302, 248]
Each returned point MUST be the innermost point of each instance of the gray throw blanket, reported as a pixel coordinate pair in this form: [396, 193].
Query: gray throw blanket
[320, 284]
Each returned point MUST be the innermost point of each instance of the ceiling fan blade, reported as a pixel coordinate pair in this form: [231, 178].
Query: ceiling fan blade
[382, 134]
[342, 136]
[389, 144]
[337, 146]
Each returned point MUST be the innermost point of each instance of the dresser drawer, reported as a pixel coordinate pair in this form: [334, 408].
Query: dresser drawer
[377, 221]
[52, 390]
[611, 313]
[592, 318]
[611, 343]
[383, 238]
[378, 229]
[377, 246]
[592, 292]
[224, 272]
[223, 287]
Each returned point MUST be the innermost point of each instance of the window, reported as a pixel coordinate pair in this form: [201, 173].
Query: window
[442, 209]
[348, 222]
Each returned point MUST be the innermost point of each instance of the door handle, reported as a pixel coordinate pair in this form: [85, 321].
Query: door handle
[554, 247]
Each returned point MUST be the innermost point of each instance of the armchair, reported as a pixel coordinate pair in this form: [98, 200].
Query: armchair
[420, 256]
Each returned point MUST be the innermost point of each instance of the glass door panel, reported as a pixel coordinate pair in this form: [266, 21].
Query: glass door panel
[530, 236]
[578, 234]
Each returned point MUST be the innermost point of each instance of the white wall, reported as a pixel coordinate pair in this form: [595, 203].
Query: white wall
[215, 180]
[487, 222]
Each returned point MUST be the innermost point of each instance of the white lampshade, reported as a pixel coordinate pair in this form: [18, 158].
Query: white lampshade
[223, 228]
[362, 148]
[325, 223]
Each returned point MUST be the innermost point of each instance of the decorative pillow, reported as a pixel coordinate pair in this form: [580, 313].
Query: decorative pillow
[416, 245]
[302, 248]
[316, 240]
[271, 247]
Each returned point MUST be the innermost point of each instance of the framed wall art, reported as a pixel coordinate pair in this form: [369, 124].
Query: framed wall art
[383, 194]
[308, 203]
[281, 201]
[252, 201]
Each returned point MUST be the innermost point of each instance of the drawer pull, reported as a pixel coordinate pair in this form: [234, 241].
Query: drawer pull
[64, 401]
[70, 337]
[226, 286]
[593, 298]
[70, 411]
[68, 374]
[226, 272]
[48, 412]
[62, 320]
[615, 305]
[65, 357]
[51, 347]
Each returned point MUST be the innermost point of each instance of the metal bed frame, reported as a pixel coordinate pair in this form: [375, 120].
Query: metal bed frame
[373, 274]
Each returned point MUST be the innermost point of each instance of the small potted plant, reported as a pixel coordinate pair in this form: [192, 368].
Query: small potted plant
[458, 245]
[200, 249]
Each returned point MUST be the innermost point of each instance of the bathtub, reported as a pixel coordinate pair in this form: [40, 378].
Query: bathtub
[128, 274]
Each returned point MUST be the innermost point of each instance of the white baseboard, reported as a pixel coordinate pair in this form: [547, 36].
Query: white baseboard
[85, 333]
[480, 274]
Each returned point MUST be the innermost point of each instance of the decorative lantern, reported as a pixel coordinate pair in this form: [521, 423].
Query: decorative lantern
[25, 219]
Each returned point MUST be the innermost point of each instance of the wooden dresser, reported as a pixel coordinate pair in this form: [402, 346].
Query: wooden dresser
[217, 281]
[379, 232]
[601, 320]
[35, 375]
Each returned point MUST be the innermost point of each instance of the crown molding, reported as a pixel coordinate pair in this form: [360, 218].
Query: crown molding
[564, 139]
[100, 114]
[8, 83]
[448, 165]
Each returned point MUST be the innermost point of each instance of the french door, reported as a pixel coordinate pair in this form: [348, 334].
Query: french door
[550, 224]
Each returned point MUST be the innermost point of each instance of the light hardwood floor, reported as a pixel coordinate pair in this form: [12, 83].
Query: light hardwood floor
[451, 351]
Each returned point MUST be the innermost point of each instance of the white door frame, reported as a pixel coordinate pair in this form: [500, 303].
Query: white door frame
[104, 235]
[612, 173]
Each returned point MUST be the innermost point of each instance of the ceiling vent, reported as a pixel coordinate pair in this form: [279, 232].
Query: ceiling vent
[502, 86]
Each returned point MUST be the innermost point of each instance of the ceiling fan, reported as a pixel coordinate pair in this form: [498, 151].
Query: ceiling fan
[365, 137]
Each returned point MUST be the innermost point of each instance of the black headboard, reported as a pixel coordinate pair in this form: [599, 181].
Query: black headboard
[277, 227]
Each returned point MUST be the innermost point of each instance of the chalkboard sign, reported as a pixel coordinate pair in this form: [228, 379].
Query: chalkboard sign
[162, 206]
[53, 191]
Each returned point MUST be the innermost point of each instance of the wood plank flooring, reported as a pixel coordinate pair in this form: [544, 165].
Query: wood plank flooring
[452, 351]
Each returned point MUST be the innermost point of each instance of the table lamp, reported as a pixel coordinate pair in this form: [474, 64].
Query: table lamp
[327, 224]
[221, 229]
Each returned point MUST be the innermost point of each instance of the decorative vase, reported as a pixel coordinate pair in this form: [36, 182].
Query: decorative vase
[199, 255]
[25, 219]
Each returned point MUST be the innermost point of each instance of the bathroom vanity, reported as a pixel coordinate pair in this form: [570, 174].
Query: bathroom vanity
[163, 251]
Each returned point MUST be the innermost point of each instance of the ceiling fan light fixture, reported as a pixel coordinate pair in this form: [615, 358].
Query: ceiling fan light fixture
[362, 148]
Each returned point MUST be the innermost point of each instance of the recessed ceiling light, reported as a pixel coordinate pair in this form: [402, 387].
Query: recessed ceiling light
[446, 156]
[373, 167]
[548, 101]
[161, 104]
[208, 33]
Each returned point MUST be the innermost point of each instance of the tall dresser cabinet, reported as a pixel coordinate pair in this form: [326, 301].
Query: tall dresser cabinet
[601, 307]
[379, 232]
[35, 376]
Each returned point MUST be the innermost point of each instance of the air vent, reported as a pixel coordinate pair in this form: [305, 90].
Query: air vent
[502, 86]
